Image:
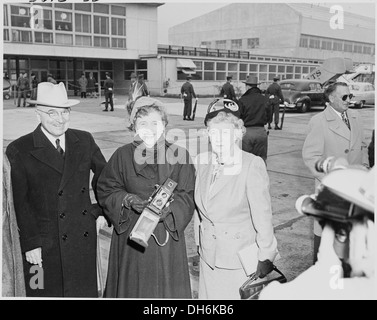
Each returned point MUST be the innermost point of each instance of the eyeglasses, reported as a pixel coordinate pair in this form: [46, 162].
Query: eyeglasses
[56, 115]
[344, 98]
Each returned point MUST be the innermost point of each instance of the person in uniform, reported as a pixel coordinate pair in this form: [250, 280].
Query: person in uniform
[227, 90]
[275, 96]
[109, 87]
[254, 113]
[187, 92]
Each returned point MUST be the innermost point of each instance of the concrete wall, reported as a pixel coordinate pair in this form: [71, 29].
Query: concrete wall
[141, 29]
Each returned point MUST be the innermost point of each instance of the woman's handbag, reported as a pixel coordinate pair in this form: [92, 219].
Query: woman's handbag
[253, 286]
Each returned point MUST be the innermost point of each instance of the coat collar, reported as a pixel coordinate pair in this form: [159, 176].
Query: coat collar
[45, 152]
[336, 124]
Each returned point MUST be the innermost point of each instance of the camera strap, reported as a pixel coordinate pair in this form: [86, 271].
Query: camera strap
[165, 242]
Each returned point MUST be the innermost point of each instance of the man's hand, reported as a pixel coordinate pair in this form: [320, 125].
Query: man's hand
[34, 256]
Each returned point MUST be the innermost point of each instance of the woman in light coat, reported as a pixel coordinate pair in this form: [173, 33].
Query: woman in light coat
[234, 208]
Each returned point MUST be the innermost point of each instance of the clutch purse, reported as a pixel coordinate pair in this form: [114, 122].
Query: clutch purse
[253, 286]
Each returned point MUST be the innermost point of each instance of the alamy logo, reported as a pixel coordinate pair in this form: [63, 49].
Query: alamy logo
[337, 20]
[37, 280]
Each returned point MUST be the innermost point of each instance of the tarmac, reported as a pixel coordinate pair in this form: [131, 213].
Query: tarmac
[289, 177]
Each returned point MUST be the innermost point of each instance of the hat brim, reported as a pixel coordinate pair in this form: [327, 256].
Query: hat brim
[68, 104]
[213, 114]
[254, 83]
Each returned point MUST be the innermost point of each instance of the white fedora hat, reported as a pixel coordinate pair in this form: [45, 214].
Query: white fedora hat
[53, 95]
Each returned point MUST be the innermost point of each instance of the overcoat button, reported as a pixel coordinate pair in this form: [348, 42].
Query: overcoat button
[64, 237]
[214, 237]
[60, 193]
[85, 212]
[86, 234]
[62, 215]
[83, 189]
[346, 151]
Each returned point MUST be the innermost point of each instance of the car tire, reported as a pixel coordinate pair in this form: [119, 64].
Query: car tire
[304, 108]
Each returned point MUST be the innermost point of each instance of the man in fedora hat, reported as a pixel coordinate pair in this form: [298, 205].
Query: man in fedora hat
[187, 91]
[50, 169]
[275, 97]
[138, 89]
[254, 113]
[227, 90]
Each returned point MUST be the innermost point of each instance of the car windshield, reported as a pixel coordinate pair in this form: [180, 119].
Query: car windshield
[287, 86]
[355, 87]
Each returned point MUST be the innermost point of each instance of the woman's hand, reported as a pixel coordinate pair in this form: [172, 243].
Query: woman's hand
[135, 202]
[264, 268]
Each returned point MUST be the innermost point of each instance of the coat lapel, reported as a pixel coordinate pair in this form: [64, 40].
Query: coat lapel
[353, 123]
[73, 155]
[336, 124]
[45, 152]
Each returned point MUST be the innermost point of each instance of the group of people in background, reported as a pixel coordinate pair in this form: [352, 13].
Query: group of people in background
[50, 171]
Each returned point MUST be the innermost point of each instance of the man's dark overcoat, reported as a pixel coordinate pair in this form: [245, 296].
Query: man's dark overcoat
[54, 210]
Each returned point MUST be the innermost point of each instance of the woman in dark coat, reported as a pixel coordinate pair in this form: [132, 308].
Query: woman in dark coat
[126, 183]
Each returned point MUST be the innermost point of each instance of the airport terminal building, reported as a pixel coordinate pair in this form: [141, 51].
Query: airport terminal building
[69, 39]
[241, 39]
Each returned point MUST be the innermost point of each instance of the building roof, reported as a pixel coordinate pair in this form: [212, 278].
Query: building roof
[317, 12]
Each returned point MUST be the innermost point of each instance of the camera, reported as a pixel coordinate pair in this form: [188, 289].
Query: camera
[339, 200]
[151, 214]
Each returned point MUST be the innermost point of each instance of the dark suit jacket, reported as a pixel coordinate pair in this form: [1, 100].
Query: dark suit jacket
[54, 210]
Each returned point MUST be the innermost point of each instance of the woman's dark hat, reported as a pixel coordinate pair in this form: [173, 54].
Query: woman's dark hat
[221, 105]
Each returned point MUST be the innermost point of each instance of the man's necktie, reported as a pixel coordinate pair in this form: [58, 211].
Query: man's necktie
[345, 120]
[59, 148]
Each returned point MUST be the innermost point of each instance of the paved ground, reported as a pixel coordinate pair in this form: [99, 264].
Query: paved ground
[289, 178]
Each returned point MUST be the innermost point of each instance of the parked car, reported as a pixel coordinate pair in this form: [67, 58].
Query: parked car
[302, 94]
[6, 89]
[363, 93]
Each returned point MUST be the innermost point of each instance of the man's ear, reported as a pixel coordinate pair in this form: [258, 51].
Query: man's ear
[331, 98]
[38, 115]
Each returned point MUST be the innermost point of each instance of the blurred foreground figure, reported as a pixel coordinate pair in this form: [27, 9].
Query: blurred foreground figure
[345, 268]
[13, 283]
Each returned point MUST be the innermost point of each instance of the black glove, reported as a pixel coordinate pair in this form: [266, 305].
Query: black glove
[135, 202]
[164, 213]
[264, 268]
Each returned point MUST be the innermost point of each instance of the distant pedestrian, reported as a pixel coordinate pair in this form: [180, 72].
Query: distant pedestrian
[83, 82]
[187, 91]
[275, 96]
[136, 90]
[23, 87]
[91, 90]
[51, 79]
[34, 86]
[254, 113]
[109, 87]
[227, 90]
